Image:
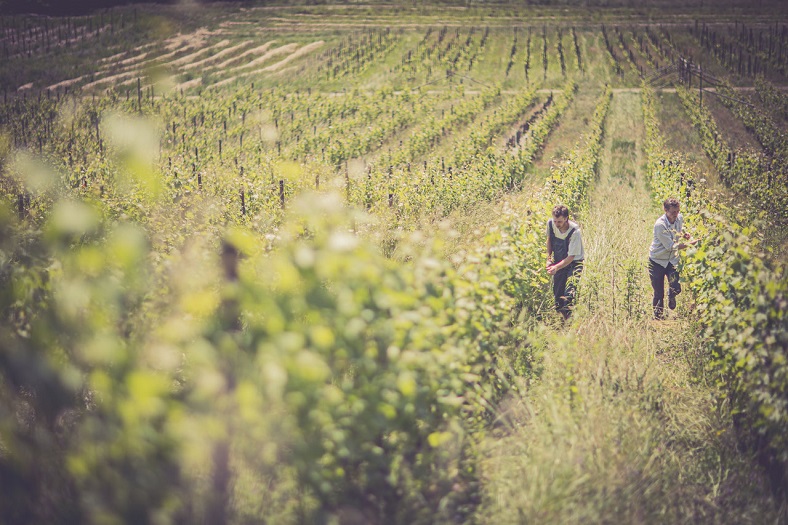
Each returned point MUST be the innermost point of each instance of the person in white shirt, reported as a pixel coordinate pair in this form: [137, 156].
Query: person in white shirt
[564, 258]
[663, 258]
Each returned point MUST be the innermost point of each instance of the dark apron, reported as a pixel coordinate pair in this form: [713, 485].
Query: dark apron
[560, 246]
[564, 287]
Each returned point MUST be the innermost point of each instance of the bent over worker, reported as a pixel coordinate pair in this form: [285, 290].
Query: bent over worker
[564, 258]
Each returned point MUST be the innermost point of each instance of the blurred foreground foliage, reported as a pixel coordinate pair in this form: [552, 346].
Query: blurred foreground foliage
[741, 305]
[222, 381]
[167, 362]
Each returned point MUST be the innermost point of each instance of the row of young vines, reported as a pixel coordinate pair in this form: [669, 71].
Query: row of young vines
[367, 391]
[741, 299]
[744, 171]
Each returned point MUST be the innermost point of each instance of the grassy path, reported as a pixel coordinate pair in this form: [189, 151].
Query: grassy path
[620, 426]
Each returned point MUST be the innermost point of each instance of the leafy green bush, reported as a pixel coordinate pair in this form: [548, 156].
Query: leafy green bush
[740, 304]
[369, 378]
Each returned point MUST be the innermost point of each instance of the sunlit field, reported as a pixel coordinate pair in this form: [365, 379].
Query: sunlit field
[286, 264]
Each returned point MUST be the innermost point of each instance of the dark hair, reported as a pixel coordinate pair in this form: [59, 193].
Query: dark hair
[559, 210]
[670, 202]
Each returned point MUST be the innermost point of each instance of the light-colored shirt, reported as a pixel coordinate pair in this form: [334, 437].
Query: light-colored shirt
[575, 243]
[662, 249]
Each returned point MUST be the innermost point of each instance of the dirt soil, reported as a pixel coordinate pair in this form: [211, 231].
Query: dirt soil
[731, 128]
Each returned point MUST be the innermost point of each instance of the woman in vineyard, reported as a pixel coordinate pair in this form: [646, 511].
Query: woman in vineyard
[663, 256]
[564, 258]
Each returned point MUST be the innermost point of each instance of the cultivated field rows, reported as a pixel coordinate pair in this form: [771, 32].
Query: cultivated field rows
[287, 265]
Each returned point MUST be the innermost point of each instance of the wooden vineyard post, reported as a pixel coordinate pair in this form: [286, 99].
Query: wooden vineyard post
[218, 500]
[282, 193]
[347, 183]
[369, 189]
[544, 50]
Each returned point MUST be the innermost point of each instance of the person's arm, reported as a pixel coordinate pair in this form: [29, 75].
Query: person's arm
[549, 251]
[562, 264]
[668, 240]
[664, 236]
[686, 236]
[549, 247]
[680, 234]
[576, 244]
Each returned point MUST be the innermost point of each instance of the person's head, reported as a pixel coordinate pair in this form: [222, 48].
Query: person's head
[560, 215]
[672, 208]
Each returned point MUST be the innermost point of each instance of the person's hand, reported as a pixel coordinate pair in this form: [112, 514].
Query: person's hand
[551, 269]
[687, 236]
[683, 245]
